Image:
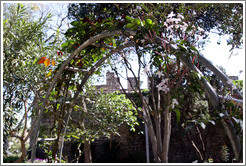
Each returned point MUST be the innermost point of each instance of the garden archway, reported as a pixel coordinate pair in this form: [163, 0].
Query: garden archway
[185, 59]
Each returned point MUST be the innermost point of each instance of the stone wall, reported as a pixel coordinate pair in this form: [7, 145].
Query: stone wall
[131, 147]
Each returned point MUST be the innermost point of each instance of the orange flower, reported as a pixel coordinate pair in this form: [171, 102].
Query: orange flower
[42, 60]
[47, 62]
[53, 62]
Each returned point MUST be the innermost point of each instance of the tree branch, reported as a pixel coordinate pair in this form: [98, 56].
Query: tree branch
[206, 85]
[73, 69]
[219, 74]
[187, 61]
[194, 145]
[229, 98]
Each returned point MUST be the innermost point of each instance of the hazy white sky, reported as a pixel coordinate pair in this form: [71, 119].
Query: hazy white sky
[220, 55]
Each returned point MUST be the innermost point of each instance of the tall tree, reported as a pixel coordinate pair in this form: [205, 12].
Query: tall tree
[163, 34]
[25, 42]
[22, 45]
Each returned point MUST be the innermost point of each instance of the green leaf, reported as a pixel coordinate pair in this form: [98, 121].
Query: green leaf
[57, 106]
[130, 25]
[64, 44]
[149, 21]
[53, 93]
[74, 23]
[193, 48]
[181, 42]
[177, 115]
[74, 136]
[51, 98]
[142, 23]
[114, 43]
[129, 19]
[137, 21]
[182, 47]
[205, 78]
[49, 74]
[133, 129]
[35, 60]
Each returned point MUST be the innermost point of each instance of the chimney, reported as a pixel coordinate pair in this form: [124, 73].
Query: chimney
[109, 78]
[111, 81]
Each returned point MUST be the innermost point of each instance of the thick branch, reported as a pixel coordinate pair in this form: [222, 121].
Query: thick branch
[146, 114]
[99, 63]
[232, 136]
[103, 45]
[219, 74]
[206, 85]
[229, 98]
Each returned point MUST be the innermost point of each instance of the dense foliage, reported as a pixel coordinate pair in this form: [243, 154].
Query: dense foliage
[105, 113]
[23, 45]
[26, 40]
[225, 17]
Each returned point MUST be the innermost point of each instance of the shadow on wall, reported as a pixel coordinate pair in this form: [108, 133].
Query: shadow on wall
[106, 153]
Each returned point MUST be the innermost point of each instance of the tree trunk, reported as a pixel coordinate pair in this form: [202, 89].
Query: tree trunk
[158, 133]
[234, 140]
[22, 138]
[87, 144]
[87, 152]
[152, 134]
[154, 144]
[23, 151]
[157, 118]
[167, 135]
[63, 136]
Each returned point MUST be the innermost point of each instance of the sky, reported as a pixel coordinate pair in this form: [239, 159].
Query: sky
[220, 55]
